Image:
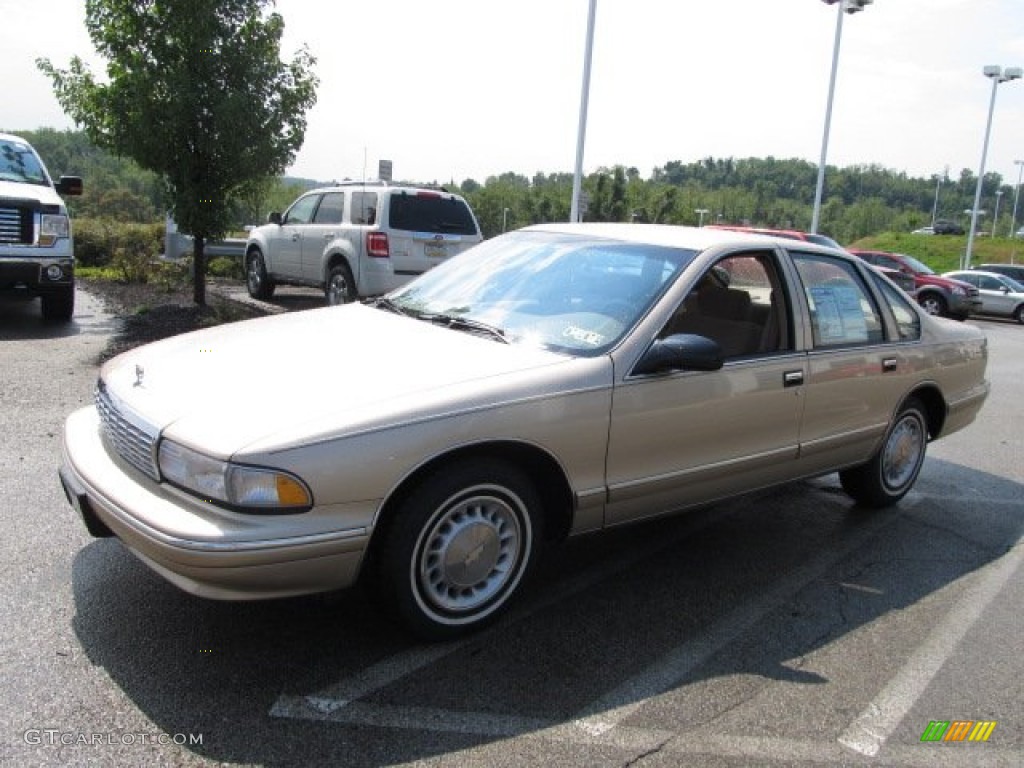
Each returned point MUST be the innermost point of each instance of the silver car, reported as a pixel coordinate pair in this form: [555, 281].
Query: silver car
[553, 381]
[1000, 295]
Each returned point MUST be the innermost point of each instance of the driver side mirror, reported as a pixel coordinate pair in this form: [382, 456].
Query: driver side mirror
[680, 352]
[274, 218]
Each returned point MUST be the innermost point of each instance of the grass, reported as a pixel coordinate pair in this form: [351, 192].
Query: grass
[944, 252]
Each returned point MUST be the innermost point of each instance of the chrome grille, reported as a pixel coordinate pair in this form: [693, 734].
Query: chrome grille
[11, 226]
[132, 439]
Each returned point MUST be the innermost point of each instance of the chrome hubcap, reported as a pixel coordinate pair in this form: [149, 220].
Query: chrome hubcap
[338, 291]
[903, 452]
[470, 554]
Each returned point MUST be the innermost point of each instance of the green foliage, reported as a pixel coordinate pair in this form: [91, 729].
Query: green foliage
[196, 92]
[226, 266]
[103, 242]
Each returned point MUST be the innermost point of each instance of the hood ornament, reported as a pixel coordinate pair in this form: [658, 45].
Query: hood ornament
[139, 373]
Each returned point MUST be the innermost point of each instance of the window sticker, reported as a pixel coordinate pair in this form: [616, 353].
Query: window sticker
[583, 336]
[838, 314]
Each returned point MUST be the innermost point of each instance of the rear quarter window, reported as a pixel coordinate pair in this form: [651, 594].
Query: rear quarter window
[430, 213]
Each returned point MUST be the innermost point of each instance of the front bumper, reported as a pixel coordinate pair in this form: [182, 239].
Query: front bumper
[198, 547]
[964, 305]
[34, 273]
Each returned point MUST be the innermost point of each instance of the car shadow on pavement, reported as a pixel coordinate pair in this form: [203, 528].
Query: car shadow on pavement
[21, 319]
[735, 595]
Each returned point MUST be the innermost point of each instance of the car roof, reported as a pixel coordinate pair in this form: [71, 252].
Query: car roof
[671, 235]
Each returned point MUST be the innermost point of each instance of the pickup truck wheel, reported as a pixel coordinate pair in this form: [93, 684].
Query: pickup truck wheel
[340, 288]
[933, 304]
[59, 305]
[891, 472]
[458, 546]
[257, 281]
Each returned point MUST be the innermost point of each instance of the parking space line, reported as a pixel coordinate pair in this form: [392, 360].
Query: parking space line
[610, 710]
[394, 668]
[869, 732]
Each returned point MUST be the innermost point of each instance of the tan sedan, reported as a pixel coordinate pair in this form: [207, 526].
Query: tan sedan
[549, 382]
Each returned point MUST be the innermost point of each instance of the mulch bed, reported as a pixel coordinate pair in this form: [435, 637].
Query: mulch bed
[149, 313]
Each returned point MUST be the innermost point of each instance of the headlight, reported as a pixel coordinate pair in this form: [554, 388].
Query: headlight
[959, 291]
[255, 489]
[53, 226]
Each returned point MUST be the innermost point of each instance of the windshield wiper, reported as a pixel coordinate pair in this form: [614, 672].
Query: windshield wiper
[383, 302]
[457, 323]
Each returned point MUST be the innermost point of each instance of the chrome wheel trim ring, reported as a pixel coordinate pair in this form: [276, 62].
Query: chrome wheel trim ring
[471, 554]
[903, 452]
[337, 289]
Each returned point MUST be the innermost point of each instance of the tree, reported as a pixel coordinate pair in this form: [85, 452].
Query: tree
[196, 93]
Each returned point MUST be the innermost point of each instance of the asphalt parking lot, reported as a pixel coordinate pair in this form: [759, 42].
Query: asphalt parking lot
[786, 628]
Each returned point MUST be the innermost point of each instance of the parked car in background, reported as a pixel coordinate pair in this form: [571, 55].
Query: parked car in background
[550, 382]
[904, 281]
[942, 227]
[1016, 271]
[36, 250]
[1000, 295]
[358, 239]
[936, 294]
[924, 231]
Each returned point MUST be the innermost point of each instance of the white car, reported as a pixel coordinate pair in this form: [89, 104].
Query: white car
[1000, 295]
[358, 239]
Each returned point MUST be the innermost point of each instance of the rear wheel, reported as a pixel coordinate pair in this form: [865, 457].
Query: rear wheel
[458, 546]
[933, 304]
[1018, 315]
[59, 305]
[340, 288]
[889, 474]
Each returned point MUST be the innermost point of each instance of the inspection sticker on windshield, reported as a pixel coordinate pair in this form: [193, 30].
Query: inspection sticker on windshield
[583, 336]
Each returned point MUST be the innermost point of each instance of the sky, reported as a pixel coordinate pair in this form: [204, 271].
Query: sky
[455, 89]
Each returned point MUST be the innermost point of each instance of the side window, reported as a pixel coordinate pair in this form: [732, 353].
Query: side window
[971, 279]
[842, 311]
[738, 303]
[908, 324]
[330, 209]
[364, 208]
[302, 210]
[990, 283]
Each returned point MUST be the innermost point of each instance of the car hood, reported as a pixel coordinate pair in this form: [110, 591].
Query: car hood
[41, 193]
[271, 383]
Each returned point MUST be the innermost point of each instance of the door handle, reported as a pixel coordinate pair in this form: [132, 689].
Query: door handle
[890, 364]
[295, 237]
[792, 378]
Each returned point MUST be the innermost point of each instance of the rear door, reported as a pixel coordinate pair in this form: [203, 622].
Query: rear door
[856, 376]
[425, 227]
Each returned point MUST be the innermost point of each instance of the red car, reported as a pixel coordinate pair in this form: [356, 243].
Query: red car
[937, 295]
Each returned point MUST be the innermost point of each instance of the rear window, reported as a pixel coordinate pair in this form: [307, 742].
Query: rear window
[430, 213]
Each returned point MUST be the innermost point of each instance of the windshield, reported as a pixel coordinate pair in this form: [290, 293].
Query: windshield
[917, 266]
[19, 163]
[568, 293]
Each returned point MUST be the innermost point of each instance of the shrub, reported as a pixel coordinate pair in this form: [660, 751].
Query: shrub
[103, 242]
[225, 266]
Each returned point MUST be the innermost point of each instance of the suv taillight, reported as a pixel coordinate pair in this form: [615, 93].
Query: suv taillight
[377, 244]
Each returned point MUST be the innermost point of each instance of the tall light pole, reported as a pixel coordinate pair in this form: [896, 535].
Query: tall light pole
[1016, 197]
[577, 179]
[938, 185]
[995, 214]
[997, 75]
[847, 6]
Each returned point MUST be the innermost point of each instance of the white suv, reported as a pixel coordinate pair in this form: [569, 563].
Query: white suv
[358, 239]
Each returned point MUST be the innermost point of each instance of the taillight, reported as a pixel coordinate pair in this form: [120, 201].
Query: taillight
[377, 244]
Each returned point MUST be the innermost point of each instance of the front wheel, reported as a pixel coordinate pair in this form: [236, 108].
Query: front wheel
[1018, 315]
[59, 305]
[890, 473]
[933, 304]
[456, 549]
[257, 281]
